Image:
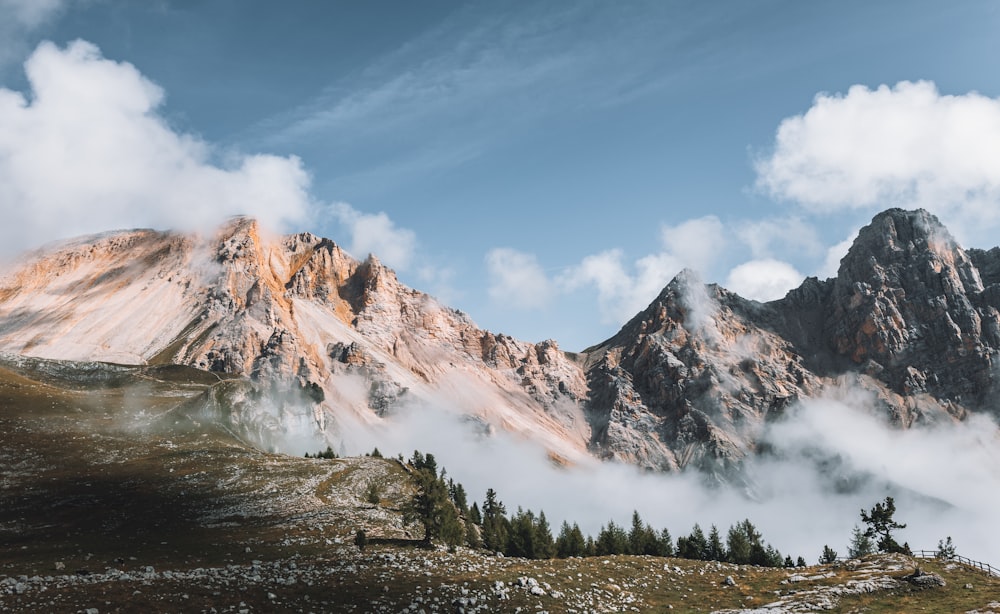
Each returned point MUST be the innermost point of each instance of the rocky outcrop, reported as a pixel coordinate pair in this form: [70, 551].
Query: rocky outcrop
[690, 379]
[911, 317]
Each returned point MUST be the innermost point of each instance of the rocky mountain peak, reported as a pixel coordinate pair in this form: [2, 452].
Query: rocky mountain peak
[902, 248]
[907, 306]
[333, 340]
[691, 380]
[909, 318]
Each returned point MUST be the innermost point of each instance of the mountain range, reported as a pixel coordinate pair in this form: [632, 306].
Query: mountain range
[312, 340]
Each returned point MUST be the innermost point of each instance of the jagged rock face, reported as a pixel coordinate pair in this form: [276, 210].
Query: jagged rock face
[295, 313]
[911, 317]
[689, 382]
[908, 305]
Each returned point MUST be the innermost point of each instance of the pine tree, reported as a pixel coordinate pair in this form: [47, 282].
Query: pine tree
[474, 514]
[496, 527]
[636, 535]
[665, 544]
[800, 562]
[545, 546]
[432, 507]
[611, 540]
[829, 555]
[695, 545]
[861, 545]
[738, 544]
[570, 541]
[458, 497]
[772, 557]
[423, 462]
[521, 541]
[716, 551]
[682, 547]
[946, 549]
[881, 525]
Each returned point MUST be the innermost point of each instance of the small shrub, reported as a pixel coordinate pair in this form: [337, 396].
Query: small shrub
[373, 495]
[829, 556]
[946, 549]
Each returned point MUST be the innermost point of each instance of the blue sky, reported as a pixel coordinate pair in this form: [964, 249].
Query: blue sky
[545, 167]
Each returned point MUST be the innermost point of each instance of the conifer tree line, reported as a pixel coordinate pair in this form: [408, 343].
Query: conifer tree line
[441, 506]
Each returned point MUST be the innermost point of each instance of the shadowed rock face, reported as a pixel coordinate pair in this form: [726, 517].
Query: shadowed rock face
[688, 382]
[911, 317]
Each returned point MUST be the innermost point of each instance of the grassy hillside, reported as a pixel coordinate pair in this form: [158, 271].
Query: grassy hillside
[113, 497]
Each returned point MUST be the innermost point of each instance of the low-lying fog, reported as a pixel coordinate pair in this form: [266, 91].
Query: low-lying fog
[831, 458]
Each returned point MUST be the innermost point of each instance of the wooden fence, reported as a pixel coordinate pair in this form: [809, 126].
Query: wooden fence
[985, 567]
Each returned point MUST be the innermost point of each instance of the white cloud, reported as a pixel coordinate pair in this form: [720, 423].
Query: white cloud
[623, 290]
[906, 145]
[831, 264]
[88, 151]
[696, 243]
[763, 280]
[375, 233]
[621, 294]
[517, 280]
[790, 232]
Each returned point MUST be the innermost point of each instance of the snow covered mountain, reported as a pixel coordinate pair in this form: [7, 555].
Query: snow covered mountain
[690, 381]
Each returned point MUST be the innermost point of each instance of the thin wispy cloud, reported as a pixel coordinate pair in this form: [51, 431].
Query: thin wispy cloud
[480, 78]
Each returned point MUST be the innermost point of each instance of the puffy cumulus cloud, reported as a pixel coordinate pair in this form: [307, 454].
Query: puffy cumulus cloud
[906, 145]
[87, 151]
[517, 280]
[695, 243]
[763, 280]
[375, 233]
[624, 289]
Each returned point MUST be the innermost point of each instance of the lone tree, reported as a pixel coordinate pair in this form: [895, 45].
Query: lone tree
[881, 525]
[432, 505]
